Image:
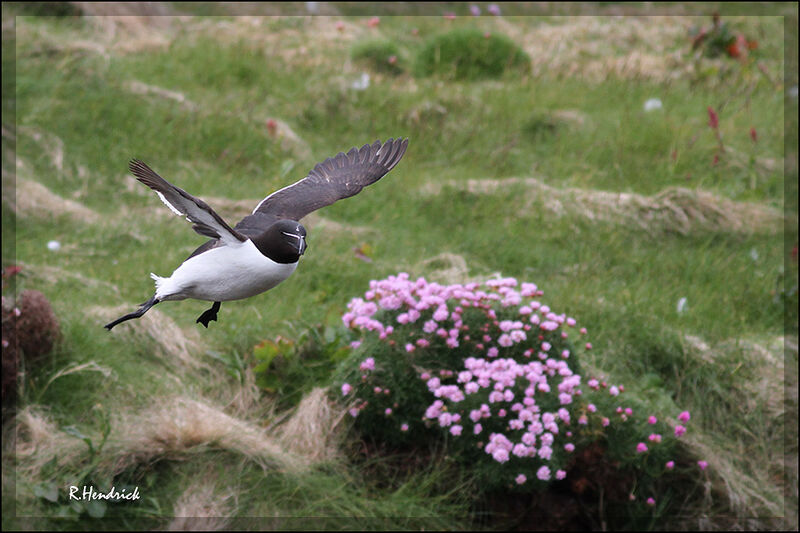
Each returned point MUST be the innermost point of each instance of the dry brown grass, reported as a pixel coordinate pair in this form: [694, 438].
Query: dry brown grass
[675, 209]
[130, 27]
[596, 48]
[314, 430]
[308, 40]
[204, 505]
[732, 476]
[446, 268]
[35, 200]
[38, 441]
[53, 275]
[170, 429]
[747, 495]
[171, 342]
[137, 87]
[178, 425]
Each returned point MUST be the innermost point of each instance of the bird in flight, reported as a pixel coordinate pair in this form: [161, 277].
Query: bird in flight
[263, 249]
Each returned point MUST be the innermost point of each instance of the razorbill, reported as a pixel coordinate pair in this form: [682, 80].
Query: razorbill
[263, 249]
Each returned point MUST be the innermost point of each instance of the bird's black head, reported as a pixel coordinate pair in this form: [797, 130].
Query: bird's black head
[283, 242]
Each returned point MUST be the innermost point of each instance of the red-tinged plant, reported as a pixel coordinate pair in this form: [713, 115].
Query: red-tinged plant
[713, 118]
[719, 40]
[713, 123]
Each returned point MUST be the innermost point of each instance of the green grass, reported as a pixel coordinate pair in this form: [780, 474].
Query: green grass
[567, 131]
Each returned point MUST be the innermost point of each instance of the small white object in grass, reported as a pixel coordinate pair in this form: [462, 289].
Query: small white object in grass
[362, 83]
[681, 305]
[754, 254]
[652, 104]
[54, 246]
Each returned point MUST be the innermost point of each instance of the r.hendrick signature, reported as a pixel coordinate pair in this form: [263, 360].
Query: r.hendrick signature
[89, 493]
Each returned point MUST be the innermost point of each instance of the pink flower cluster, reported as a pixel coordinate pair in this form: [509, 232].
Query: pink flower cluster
[444, 307]
[532, 432]
[507, 387]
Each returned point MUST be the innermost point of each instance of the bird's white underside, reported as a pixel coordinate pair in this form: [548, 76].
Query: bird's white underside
[223, 273]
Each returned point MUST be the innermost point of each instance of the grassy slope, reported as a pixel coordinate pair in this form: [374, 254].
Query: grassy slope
[622, 281]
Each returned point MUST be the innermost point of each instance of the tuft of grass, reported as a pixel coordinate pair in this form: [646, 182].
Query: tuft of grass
[379, 55]
[470, 54]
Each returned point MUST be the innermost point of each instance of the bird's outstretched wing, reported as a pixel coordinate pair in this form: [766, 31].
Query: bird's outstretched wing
[206, 221]
[335, 178]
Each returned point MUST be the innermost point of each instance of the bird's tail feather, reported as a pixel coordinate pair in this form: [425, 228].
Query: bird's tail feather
[158, 279]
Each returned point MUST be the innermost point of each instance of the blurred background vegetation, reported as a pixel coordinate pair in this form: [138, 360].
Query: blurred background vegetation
[641, 170]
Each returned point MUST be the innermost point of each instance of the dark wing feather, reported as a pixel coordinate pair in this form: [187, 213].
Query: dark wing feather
[206, 221]
[335, 178]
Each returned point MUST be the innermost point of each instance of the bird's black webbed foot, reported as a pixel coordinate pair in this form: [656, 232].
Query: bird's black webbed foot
[209, 315]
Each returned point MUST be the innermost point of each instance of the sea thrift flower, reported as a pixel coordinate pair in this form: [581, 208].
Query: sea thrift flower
[684, 416]
[641, 447]
[651, 502]
[474, 10]
[702, 464]
[680, 430]
[368, 364]
[403, 427]
[654, 437]
[613, 391]
[500, 455]
[520, 479]
[388, 411]
[373, 22]
[670, 465]
[560, 474]
[543, 473]
[346, 388]
[652, 420]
